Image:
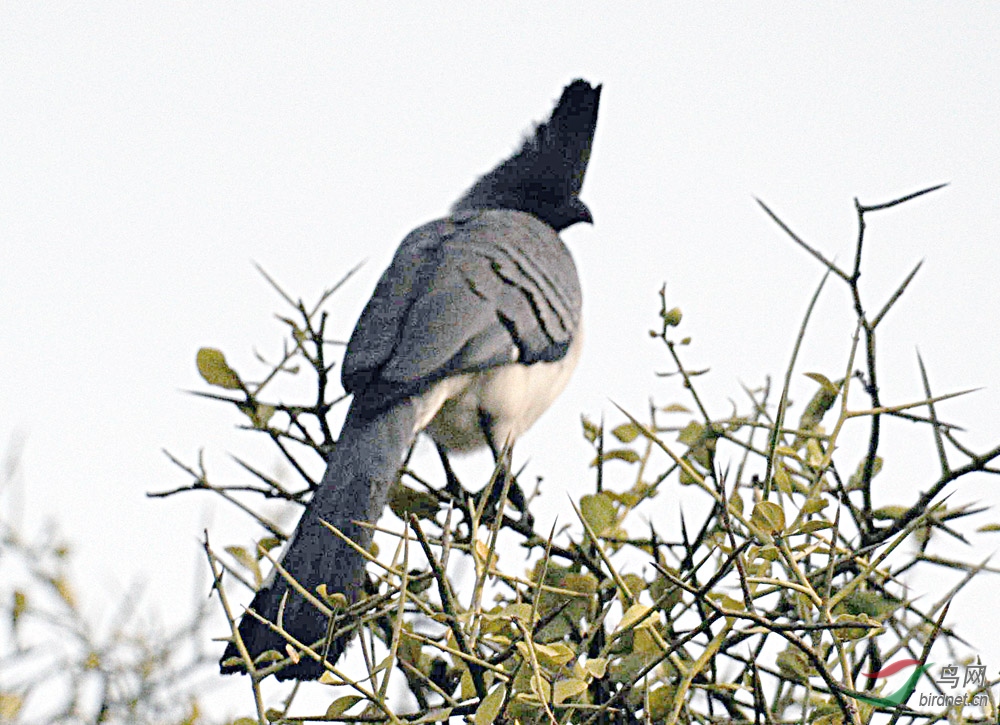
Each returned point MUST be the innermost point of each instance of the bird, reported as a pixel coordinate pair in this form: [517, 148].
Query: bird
[471, 333]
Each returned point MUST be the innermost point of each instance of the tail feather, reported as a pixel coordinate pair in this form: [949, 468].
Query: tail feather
[355, 487]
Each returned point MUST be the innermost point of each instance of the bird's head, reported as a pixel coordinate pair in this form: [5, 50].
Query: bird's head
[545, 176]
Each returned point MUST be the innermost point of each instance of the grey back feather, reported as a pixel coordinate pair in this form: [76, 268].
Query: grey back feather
[461, 295]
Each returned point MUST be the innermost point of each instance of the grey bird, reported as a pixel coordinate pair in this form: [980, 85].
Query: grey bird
[471, 333]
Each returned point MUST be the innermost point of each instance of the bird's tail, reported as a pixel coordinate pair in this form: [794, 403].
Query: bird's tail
[360, 471]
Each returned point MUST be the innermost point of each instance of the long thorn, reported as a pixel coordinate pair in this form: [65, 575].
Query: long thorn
[901, 200]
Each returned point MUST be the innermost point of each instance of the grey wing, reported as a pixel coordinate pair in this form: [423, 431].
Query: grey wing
[474, 291]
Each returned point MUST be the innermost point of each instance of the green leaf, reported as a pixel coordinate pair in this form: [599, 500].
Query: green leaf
[781, 478]
[241, 555]
[20, 605]
[467, 686]
[685, 478]
[853, 632]
[636, 613]
[342, 704]
[384, 665]
[247, 560]
[404, 501]
[562, 690]
[727, 602]
[64, 590]
[824, 381]
[664, 591]
[618, 454]
[626, 432]
[440, 714]
[271, 655]
[530, 686]
[635, 583]
[875, 605]
[989, 528]
[541, 687]
[820, 403]
[832, 718]
[855, 483]
[768, 553]
[672, 318]
[890, 513]
[481, 552]
[638, 642]
[554, 655]
[631, 497]
[599, 512]
[261, 415]
[268, 543]
[213, 368]
[590, 431]
[736, 503]
[521, 610]
[583, 583]
[337, 601]
[814, 453]
[597, 667]
[809, 527]
[814, 505]
[489, 708]
[573, 608]
[769, 517]
[691, 434]
[661, 702]
[794, 665]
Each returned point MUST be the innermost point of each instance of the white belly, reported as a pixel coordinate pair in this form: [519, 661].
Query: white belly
[513, 396]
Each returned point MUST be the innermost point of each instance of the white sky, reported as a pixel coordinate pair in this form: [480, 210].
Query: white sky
[149, 152]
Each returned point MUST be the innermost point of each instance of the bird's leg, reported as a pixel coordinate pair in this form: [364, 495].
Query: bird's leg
[463, 501]
[495, 487]
[453, 487]
[503, 458]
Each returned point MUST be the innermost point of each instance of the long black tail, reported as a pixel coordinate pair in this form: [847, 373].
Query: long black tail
[361, 469]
